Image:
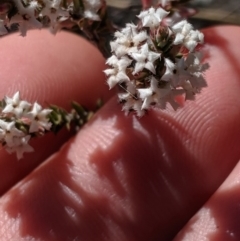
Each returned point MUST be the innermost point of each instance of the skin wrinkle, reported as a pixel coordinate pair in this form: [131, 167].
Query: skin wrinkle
[138, 196]
[224, 209]
[146, 157]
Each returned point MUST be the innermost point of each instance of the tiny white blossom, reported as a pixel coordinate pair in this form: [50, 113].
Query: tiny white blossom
[131, 100]
[170, 66]
[118, 73]
[38, 118]
[164, 2]
[196, 69]
[194, 63]
[154, 94]
[189, 75]
[15, 105]
[91, 8]
[186, 35]
[127, 40]
[145, 59]
[33, 5]
[135, 105]
[152, 17]
[55, 13]
[25, 24]
[21, 146]
[25, 18]
[8, 131]
[91, 14]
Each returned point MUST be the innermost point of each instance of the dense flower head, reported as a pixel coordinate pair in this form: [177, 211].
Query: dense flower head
[153, 62]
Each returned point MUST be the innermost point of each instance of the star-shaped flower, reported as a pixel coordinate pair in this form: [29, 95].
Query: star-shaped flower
[186, 35]
[15, 105]
[91, 7]
[154, 94]
[39, 118]
[8, 131]
[152, 17]
[118, 73]
[170, 66]
[21, 146]
[145, 59]
[127, 40]
[131, 100]
[164, 2]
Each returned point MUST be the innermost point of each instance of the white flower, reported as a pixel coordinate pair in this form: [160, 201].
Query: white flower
[145, 59]
[188, 74]
[25, 24]
[118, 73]
[15, 105]
[39, 118]
[170, 66]
[8, 132]
[152, 17]
[127, 40]
[194, 63]
[196, 69]
[131, 100]
[21, 146]
[33, 5]
[186, 35]
[91, 14]
[55, 14]
[164, 2]
[154, 94]
[25, 18]
[91, 8]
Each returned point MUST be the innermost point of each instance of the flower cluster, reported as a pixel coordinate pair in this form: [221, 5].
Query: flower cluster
[19, 121]
[56, 14]
[153, 63]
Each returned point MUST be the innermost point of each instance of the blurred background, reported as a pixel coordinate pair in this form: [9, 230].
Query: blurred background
[209, 12]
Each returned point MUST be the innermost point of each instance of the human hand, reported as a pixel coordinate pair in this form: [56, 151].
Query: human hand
[120, 178]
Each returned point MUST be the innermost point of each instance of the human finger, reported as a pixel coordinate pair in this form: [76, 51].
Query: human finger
[122, 178]
[50, 70]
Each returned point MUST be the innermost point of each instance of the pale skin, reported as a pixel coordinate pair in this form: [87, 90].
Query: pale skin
[122, 178]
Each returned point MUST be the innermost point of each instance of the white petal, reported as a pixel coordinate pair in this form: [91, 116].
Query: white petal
[110, 71]
[150, 66]
[8, 109]
[178, 39]
[144, 93]
[147, 102]
[140, 37]
[160, 14]
[90, 14]
[179, 26]
[112, 81]
[190, 45]
[113, 60]
[33, 127]
[138, 57]
[152, 56]
[138, 67]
